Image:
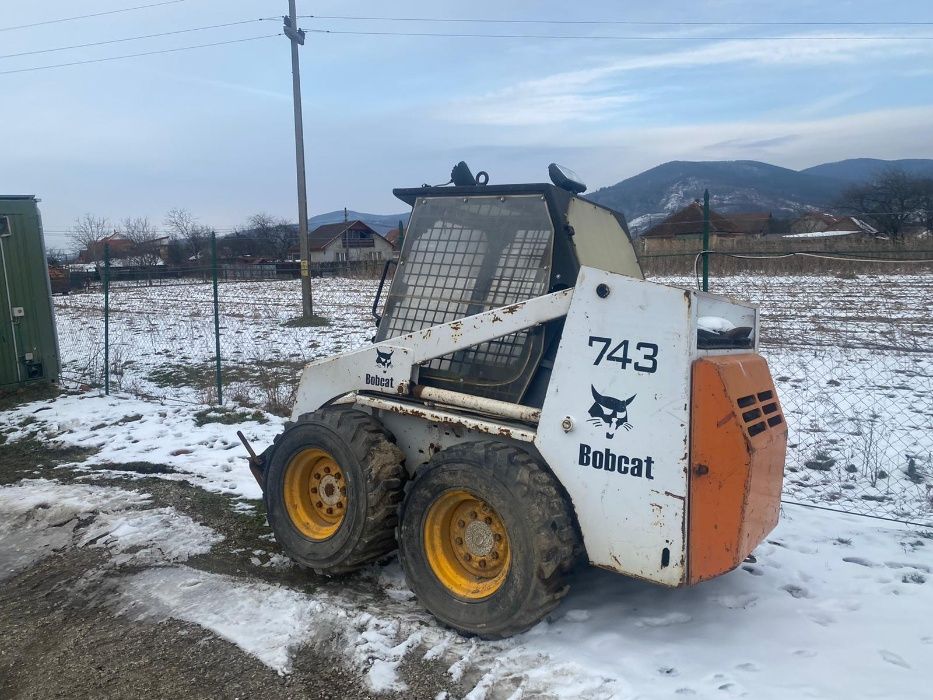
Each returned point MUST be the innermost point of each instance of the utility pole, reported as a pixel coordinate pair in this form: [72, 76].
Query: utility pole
[706, 241]
[297, 38]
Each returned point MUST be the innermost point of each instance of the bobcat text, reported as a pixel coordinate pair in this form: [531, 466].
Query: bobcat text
[609, 461]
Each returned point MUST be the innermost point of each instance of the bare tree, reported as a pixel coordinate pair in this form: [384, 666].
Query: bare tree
[273, 234]
[182, 224]
[925, 208]
[87, 235]
[890, 202]
[143, 240]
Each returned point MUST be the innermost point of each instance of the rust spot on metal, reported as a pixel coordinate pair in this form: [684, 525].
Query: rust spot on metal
[512, 308]
[496, 319]
[456, 326]
[725, 419]
[673, 495]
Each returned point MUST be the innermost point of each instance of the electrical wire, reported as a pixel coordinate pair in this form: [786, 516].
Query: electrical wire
[144, 53]
[636, 23]
[95, 14]
[851, 512]
[597, 37]
[134, 38]
[803, 254]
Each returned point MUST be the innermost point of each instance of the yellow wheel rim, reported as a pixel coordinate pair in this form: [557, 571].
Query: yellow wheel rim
[467, 545]
[315, 493]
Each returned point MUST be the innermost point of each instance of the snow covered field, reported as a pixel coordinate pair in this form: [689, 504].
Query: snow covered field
[834, 606]
[852, 358]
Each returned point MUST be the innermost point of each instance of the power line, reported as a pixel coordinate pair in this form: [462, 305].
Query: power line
[144, 53]
[636, 23]
[135, 38]
[632, 37]
[95, 14]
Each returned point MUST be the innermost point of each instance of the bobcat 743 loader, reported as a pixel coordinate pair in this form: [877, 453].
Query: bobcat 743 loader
[530, 401]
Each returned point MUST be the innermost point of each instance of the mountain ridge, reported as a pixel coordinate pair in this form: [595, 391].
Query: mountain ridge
[742, 186]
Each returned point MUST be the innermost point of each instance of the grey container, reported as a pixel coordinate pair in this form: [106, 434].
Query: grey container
[28, 341]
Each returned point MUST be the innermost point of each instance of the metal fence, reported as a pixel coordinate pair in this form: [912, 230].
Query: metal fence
[851, 351]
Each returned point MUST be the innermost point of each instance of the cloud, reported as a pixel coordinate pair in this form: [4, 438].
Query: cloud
[599, 92]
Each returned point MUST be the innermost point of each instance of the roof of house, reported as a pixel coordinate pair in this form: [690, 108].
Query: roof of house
[757, 222]
[689, 221]
[392, 236]
[322, 235]
[850, 223]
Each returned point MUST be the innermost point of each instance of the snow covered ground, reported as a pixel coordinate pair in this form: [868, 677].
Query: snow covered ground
[834, 605]
[851, 358]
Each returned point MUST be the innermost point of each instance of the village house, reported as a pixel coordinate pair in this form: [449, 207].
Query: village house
[348, 241]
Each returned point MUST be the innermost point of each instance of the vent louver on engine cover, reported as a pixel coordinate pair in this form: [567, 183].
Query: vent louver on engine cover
[759, 412]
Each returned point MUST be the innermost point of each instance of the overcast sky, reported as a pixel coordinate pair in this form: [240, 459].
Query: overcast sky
[211, 129]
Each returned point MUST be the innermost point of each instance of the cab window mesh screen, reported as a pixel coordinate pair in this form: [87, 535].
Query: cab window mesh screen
[460, 258]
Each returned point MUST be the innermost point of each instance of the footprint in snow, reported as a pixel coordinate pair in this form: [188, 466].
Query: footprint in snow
[821, 618]
[893, 658]
[903, 565]
[805, 653]
[796, 591]
[749, 666]
[753, 570]
[736, 602]
[860, 561]
[673, 618]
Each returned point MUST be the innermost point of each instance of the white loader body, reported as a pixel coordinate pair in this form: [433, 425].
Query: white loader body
[614, 427]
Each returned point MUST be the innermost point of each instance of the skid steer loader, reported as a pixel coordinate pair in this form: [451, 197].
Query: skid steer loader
[530, 401]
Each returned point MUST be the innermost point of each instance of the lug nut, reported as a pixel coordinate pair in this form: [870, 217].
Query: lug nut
[320, 504]
[459, 540]
[497, 537]
[460, 523]
[330, 511]
[495, 555]
[317, 475]
[487, 520]
[340, 504]
[473, 515]
[482, 563]
[327, 470]
[467, 557]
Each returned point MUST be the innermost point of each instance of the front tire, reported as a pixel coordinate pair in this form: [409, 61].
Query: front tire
[486, 539]
[333, 485]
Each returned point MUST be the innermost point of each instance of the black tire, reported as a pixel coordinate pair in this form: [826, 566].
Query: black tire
[371, 464]
[540, 532]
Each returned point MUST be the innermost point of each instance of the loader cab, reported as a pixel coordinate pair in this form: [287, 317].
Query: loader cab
[468, 249]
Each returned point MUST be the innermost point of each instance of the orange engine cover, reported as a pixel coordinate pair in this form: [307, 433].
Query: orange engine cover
[738, 441]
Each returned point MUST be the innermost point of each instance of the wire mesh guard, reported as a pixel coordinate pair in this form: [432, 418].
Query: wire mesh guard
[462, 257]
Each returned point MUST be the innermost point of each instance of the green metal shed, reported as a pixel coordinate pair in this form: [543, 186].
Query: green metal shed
[28, 341]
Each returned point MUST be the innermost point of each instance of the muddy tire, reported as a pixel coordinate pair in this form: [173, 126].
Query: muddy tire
[333, 484]
[486, 539]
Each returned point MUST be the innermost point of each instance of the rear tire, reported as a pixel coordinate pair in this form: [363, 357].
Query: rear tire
[486, 539]
[333, 484]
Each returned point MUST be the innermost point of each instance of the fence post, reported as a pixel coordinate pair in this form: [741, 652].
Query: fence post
[705, 240]
[107, 318]
[220, 396]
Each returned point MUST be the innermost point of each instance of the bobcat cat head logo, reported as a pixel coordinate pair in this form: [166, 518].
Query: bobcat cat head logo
[384, 359]
[610, 411]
